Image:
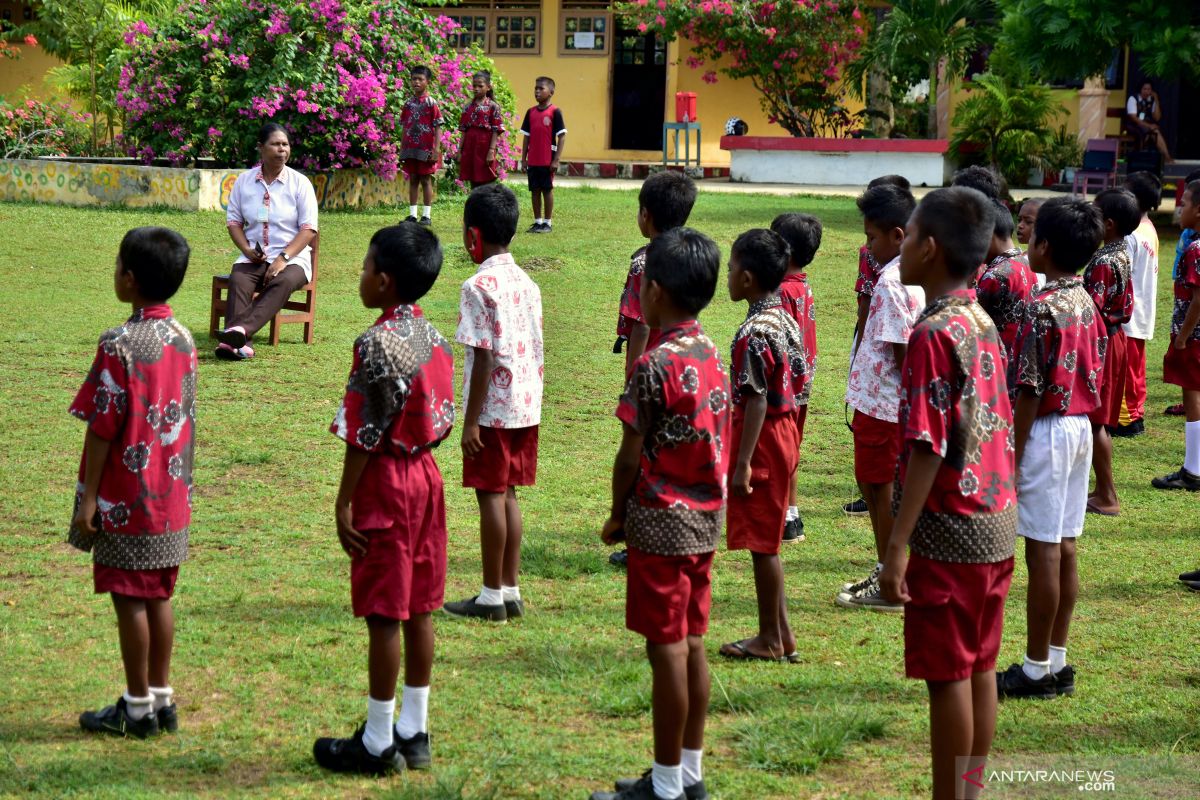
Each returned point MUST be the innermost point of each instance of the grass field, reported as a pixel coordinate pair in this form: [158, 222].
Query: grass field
[268, 656]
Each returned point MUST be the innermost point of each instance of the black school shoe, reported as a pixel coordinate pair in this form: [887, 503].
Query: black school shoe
[1014, 683]
[168, 718]
[1135, 428]
[857, 508]
[640, 789]
[793, 530]
[620, 558]
[694, 792]
[471, 609]
[514, 608]
[115, 720]
[1194, 575]
[1178, 480]
[351, 755]
[414, 750]
[1064, 681]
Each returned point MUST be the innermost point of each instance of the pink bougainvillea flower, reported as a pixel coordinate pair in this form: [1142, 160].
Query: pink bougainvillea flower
[31, 40]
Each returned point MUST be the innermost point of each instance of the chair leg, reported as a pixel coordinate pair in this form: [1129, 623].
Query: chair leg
[308, 332]
[275, 330]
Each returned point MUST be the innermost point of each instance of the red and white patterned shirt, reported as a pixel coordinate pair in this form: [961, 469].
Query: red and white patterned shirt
[874, 385]
[500, 309]
[678, 399]
[797, 299]
[400, 394]
[1108, 278]
[868, 271]
[767, 359]
[1188, 280]
[630, 311]
[420, 119]
[486, 115]
[1004, 290]
[140, 395]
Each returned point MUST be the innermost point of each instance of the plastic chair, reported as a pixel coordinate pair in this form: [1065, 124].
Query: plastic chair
[1099, 165]
[303, 311]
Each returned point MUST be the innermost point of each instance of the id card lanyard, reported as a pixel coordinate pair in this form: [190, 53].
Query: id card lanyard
[264, 215]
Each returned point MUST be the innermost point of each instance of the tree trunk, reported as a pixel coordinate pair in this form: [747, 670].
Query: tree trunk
[95, 110]
[879, 99]
[932, 101]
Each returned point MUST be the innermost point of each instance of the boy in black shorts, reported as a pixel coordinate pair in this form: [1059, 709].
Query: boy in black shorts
[541, 151]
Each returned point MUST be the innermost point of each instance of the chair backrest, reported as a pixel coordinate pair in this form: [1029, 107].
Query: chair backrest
[1103, 145]
[1099, 161]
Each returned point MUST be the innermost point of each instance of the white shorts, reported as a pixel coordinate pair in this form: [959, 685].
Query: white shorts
[1052, 494]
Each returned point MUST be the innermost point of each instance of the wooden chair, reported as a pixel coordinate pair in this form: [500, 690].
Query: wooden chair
[302, 311]
[1099, 164]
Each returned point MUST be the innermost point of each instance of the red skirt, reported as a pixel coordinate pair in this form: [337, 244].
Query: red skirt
[473, 162]
[1182, 367]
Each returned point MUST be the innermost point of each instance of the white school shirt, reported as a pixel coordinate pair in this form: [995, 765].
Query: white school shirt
[1142, 245]
[500, 309]
[874, 385]
[291, 206]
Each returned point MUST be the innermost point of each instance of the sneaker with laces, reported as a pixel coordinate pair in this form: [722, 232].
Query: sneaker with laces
[414, 750]
[470, 608]
[168, 718]
[694, 792]
[115, 720]
[869, 597]
[351, 755]
[855, 588]
[621, 559]
[536, 227]
[793, 530]
[857, 508]
[1182, 479]
[640, 789]
[1064, 681]
[1014, 683]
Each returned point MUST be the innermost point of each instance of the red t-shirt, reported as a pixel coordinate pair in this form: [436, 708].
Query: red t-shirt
[1059, 351]
[767, 359]
[1004, 290]
[954, 398]
[1188, 280]
[1108, 278]
[797, 299]
[543, 127]
[140, 395]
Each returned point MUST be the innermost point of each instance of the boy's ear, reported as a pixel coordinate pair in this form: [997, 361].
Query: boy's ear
[897, 236]
[474, 241]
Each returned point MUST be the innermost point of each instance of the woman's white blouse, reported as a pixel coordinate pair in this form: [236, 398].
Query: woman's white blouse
[273, 215]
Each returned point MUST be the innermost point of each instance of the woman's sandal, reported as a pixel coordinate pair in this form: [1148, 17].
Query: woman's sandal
[738, 651]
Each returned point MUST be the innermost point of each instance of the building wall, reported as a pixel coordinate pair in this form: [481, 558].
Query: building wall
[27, 75]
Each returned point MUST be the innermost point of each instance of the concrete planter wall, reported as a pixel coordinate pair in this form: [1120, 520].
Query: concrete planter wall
[834, 162]
[90, 184]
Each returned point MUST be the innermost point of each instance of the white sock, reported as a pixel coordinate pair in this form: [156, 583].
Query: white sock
[1058, 659]
[414, 712]
[510, 593]
[426, 211]
[792, 513]
[692, 772]
[1191, 458]
[162, 696]
[548, 222]
[490, 597]
[378, 735]
[1035, 670]
[412, 211]
[140, 707]
[668, 781]
[539, 221]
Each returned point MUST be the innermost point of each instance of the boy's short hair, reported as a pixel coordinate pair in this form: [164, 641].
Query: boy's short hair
[802, 232]
[764, 254]
[686, 264]
[1193, 186]
[891, 180]
[1004, 225]
[982, 179]
[411, 255]
[1194, 175]
[962, 221]
[494, 211]
[1074, 230]
[1147, 188]
[886, 206]
[421, 69]
[543, 79]
[158, 259]
[668, 198]
[1121, 207]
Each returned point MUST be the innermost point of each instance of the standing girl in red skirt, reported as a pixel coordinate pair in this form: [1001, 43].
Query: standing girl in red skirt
[481, 123]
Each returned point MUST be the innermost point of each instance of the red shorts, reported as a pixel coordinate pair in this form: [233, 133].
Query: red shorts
[876, 449]
[399, 506]
[145, 584]
[953, 622]
[414, 167]
[1112, 382]
[755, 522]
[1182, 367]
[667, 598]
[509, 458]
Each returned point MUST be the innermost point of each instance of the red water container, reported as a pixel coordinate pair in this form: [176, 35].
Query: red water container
[685, 106]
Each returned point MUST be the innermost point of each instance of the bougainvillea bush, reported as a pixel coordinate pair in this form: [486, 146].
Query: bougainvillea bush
[31, 128]
[792, 51]
[334, 73]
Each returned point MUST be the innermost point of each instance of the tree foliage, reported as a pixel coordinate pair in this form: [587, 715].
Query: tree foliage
[1011, 122]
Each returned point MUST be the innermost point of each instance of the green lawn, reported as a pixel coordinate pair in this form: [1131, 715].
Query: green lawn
[268, 656]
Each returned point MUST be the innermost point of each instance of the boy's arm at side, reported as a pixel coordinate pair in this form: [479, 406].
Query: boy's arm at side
[752, 422]
[554, 161]
[899, 351]
[353, 542]
[1024, 413]
[923, 465]
[639, 337]
[1189, 321]
[625, 470]
[525, 152]
[96, 447]
[481, 373]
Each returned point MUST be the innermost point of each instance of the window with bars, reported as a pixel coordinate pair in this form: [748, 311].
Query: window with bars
[499, 27]
[585, 28]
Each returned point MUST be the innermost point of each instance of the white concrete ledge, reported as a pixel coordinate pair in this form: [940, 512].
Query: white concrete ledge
[834, 162]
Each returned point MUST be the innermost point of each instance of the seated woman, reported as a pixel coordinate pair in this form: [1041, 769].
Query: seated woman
[272, 218]
[1143, 114]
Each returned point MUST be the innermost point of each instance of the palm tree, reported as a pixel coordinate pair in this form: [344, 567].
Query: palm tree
[1011, 123]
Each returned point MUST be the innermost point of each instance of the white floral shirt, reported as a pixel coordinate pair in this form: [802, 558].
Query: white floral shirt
[874, 385]
[500, 309]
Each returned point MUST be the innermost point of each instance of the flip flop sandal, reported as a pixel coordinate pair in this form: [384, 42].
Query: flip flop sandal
[792, 657]
[737, 651]
[1094, 509]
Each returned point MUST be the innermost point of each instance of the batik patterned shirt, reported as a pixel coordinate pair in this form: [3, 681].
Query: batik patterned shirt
[1187, 280]
[954, 399]
[630, 311]
[678, 399]
[486, 115]
[1059, 353]
[868, 271]
[400, 395]
[421, 119]
[140, 395]
[1004, 290]
[798, 302]
[874, 384]
[767, 359]
[1108, 278]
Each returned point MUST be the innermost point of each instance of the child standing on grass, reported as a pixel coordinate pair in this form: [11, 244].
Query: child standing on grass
[1108, 279]
[1181, 364]
[664, 203]
[874, 386]
[1142, 246]
[768, 369]
[133, 500]
[500, 323]
[957, 509]
[1056, 374]
[1186, 237]
[668, 499]
[1007, 281]
[482, 124]
[802, 232]
[390, 510]
[421, 143]
[541, 151]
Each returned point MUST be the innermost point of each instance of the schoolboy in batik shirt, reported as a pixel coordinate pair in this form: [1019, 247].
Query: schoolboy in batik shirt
[1059, 353]
[768, 358]
[1003, 291]
[797, 298]
[630, 311]
[1108, 278]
